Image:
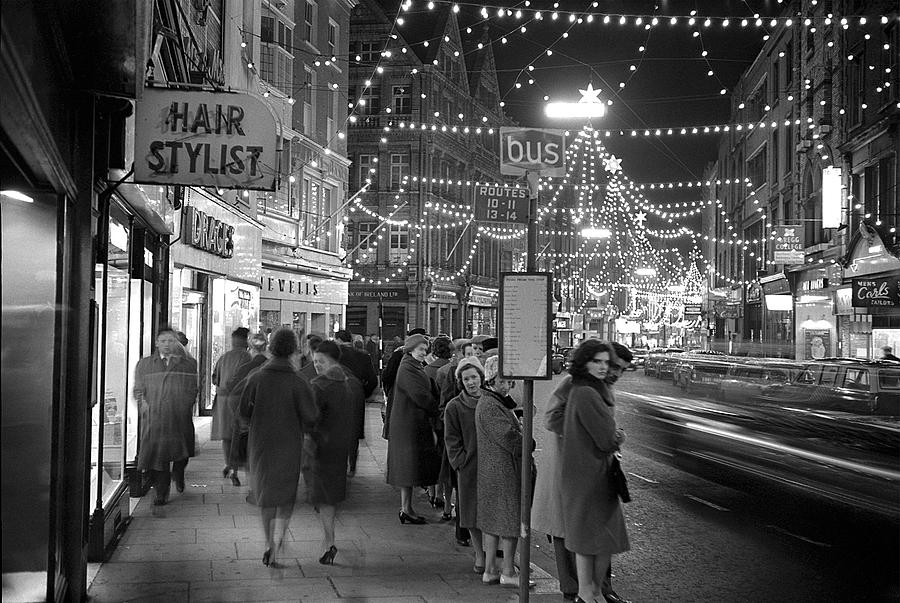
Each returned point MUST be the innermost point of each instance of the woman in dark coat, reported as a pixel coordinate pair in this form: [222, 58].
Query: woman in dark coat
[461, 442]
[499, 485]
[280, 407]
[224, 403]
[412, 458]
[592, 515]
[327, 478]
[240, 427]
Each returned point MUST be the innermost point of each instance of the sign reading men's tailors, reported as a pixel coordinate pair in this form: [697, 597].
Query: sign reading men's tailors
[876, 292]
[787, 244]
[532, 150]
[216, 139]
[525, 310]
[497, 203]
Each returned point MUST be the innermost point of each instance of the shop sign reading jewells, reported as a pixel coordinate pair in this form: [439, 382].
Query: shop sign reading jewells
[207, 233]
[876, 292]
[216, 139]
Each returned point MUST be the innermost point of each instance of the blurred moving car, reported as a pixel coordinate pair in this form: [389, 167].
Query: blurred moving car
[640, 356]
[684, 364]
[654, 357]
[824, 429]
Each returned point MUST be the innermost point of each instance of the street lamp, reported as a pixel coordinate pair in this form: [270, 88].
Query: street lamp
[595, 233]
[589, 106]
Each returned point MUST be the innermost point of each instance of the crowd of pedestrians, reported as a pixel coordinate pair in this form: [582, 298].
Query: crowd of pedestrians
[286, 407]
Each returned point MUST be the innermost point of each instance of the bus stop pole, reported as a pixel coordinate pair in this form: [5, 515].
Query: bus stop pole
[528, 408]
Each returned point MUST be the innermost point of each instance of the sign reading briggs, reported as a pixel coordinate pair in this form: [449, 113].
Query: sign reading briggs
[215, 139]
[876, 292]
[532, 150]
[787, 244]
[494, 203]
[207, 233]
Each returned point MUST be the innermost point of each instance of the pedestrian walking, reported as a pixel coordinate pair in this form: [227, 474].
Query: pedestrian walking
[307, 368]
[280, 407]
[593, 520]
[887, 353]
[223, 404]
[440, 495]
[165, 386]
[461, 441]
[359, 364]
[412, 458]
[236, 384]
[333, 437]
[499, 438]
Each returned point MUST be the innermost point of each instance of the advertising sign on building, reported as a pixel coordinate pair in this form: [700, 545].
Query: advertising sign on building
[207, 233]
[692, 309]
[497, 203]
[215, 139]
[876, 292]
[817, 343]
[532, 150]
[787, 244]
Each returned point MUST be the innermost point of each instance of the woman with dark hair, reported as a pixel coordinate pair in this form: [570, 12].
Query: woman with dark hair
[461, 440]
[327, 478]
[440, 495]
[592, 514]
[280, 407]
[412, 458]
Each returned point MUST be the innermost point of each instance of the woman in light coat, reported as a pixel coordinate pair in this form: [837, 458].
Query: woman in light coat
[592, 514]
[280, 407]
[461, 441]
[499, 437]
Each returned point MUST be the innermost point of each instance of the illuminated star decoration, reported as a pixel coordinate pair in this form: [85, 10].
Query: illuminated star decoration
[612, 164]
[640, 217]
[590, 95]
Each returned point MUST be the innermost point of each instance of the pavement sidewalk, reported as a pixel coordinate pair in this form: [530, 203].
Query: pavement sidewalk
[207, 545]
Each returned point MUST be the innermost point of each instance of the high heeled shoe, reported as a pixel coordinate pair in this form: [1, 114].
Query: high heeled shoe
[267, 556]
[328, 557]
[436, 503]
[226, 471]
[407, 518]
[234, 479]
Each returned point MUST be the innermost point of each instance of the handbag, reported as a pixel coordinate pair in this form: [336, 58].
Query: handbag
[617, 480]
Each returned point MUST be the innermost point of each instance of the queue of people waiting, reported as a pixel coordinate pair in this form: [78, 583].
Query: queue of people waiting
[450, 423]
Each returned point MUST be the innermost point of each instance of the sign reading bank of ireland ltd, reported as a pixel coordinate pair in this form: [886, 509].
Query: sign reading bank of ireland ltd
[216, 139]
[532, 150]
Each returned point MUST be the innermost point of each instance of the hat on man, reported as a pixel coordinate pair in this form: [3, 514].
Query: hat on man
[468, 362]
[489, 344]
[413, 341]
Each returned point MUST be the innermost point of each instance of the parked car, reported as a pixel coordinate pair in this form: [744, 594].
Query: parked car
[702, 373]
[665, 364]
[685, 362]
[751, 378]
[560, 360]
[640, 356]
[654, 356]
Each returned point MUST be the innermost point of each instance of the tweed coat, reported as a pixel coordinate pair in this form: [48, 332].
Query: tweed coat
[327, 478]
[167, 395]
[499, 437]
[281, 408]
[592, 514]
[461, 443]
[546, 510]
[223, 405]
[412, 458]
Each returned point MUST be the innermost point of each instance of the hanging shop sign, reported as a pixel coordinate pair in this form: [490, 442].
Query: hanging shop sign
[501, 204]
[207, 233]
[384, 295]
[216, 139]
[787, 244]
[876, 292]
[532, 150]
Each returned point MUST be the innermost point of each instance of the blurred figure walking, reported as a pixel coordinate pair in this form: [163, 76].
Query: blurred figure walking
[334, 435]
[280, 407]
[223, 405]
[359, 364]
[165, 386]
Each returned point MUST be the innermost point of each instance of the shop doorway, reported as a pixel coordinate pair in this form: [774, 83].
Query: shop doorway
[193, 325]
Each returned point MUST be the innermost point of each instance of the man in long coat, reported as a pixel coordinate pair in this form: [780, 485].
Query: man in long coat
[165, 385]
[224, 404]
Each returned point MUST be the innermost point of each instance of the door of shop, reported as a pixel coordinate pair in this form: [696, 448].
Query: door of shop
[193, 325]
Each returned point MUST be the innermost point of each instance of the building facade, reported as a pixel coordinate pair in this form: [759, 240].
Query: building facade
[417, 260]
[303, 70]
[825, 167]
